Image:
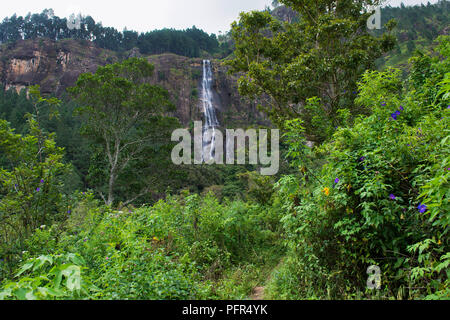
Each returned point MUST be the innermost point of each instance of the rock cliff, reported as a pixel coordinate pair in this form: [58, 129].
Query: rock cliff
[56, 65]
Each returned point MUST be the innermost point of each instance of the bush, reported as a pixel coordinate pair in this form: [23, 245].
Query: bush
[382, 196]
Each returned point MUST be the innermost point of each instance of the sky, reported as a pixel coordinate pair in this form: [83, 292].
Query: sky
[212, 16]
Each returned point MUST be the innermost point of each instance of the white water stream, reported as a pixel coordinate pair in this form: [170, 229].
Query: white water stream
[211, 122]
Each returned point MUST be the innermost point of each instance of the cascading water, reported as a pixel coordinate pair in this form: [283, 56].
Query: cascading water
[211, 122]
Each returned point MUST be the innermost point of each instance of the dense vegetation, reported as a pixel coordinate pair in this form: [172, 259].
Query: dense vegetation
[417, 27]
[192, 42]
[372, 190]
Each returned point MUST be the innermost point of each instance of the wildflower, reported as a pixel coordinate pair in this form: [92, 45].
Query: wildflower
[69, 211]
[384, 104]
[326, 191]
[42, 180]
[402, 217]
[401, 108]
[394, 116]
[336, 180]
[422, 208]
[362, 159]
[38, 189]
[107, 258]
[439, 242]
[392, 197]
[155, 239]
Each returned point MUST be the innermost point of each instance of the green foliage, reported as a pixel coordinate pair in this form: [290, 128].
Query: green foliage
[260, 188]
[371, 191]
[126, 118]
[191, 42]
[418, 26]
[182, 248]
[31, 183]
[380, 199]
[51, 277]
[308, 68]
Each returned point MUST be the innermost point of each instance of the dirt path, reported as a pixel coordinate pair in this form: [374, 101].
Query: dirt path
[258, 293]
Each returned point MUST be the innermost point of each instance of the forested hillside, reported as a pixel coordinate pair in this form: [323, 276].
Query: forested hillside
[191, 42]
[92, 205]
[417, 27]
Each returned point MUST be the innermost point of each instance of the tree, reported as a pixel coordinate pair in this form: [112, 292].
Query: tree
[307, 69]
[31, 180]
[124, 116]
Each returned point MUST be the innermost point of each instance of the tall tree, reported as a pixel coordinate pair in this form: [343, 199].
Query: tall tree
[125, 116]
[307, 69]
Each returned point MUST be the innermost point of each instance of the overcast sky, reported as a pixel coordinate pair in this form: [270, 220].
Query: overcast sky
[210, 15]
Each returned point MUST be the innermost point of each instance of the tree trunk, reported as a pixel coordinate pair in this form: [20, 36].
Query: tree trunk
[112, 179]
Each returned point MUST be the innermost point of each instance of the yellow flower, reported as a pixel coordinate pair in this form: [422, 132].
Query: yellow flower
[155, 239]
[326, 191]
[439, 242]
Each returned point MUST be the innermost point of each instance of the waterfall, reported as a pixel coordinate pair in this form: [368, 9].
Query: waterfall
[211, 122]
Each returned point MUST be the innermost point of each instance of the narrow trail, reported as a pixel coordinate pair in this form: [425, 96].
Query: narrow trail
[258, 293]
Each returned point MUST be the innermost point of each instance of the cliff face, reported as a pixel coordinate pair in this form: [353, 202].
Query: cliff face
[53, 65]
[56, 66]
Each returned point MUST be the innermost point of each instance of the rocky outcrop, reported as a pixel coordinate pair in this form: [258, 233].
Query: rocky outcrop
[56, 66]
[53, 65]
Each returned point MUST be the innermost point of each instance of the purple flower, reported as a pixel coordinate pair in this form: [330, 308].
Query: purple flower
[336, 180]
[42, 180]
[401, 108]
[38, 189]
[69, 212]
[362, 159]
[422, 208]
[394, 116]
[392, 197]
[383, 104]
